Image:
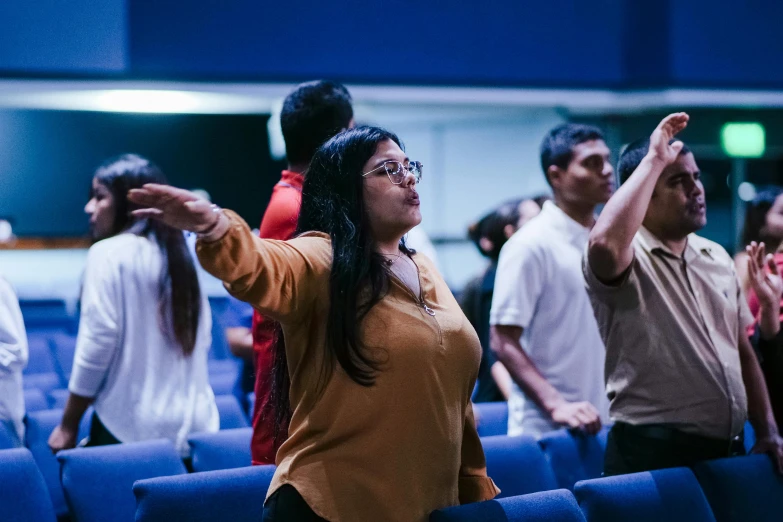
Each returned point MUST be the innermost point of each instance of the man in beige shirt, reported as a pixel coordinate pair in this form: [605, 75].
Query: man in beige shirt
[681, 375]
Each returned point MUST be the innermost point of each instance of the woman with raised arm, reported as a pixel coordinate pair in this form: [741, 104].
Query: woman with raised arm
[381, 360]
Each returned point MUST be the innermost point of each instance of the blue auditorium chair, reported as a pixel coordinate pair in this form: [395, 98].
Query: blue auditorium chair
[222, 450]
[231, 414]
[742, 488]
[220, 307]
[35, 400]
[45, 382]
[98, 482]
[8, 438]
[64, 348]
[222, 383]
[517, 465]
[46, 314]
[666, 495]
[39, 425]
[547, 506]
[492, 418]
[251, 401]
[574, 456]
[58, 397]
[23, 495]
[236, 495]
[39, 356]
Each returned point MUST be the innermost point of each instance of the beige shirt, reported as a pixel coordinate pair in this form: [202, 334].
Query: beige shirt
[671, 329]
[394, 451]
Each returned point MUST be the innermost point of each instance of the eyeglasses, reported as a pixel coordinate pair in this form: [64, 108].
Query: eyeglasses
[396, 171]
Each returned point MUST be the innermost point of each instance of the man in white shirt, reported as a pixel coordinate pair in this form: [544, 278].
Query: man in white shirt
[543, 328]
[13, 359]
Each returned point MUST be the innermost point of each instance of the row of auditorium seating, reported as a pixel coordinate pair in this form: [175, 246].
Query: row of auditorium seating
[48, 321]
[147, 482]
[40, 424]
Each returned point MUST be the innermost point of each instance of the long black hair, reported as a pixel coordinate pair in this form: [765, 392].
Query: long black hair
[179, 285]
[333, 203]
[756, 218]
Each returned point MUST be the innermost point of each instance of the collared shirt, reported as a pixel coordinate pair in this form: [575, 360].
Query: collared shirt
[127, 358]
[539, 287]
[13, 359]
[279, 222]
[671, 329]
[394, 451]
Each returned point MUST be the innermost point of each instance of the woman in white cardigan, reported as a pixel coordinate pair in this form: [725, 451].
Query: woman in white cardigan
[144, 334]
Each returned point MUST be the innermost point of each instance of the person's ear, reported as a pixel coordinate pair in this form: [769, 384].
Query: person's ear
[509, 230]
[555, 175]
[486, 244]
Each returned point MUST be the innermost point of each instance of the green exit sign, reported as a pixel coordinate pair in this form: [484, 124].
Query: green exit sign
[743, 140]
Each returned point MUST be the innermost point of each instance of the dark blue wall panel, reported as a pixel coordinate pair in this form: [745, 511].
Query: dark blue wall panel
[551, 42]
[63, 36]
[727, 43]
[562, 43]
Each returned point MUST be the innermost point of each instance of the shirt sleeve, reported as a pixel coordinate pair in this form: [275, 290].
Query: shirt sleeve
[279, 278]
[608, 292]
[13, 339]
[100, 323]
[474, 484]
[520, 278]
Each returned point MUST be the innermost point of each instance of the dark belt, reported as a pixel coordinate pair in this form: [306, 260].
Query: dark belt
[734, 446]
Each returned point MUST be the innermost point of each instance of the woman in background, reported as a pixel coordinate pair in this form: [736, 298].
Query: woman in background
[489, 234]
[144, 333]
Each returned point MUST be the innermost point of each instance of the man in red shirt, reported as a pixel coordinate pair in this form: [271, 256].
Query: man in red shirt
[312, 113]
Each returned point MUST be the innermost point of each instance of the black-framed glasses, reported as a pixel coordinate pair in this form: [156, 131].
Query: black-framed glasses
[396, 170]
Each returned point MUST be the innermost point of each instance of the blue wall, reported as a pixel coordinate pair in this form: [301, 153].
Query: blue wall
[570, 43]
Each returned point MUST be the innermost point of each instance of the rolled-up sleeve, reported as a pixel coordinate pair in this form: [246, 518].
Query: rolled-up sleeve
[13, 339]
[100, 323]
[474, 484]
[277, 277]
[519, 281]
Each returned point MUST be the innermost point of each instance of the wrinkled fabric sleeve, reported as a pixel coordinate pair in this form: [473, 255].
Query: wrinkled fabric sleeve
[100, 323]
[277, 277]
[474, 484]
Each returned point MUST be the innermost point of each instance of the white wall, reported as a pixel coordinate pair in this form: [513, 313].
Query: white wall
[474, 160]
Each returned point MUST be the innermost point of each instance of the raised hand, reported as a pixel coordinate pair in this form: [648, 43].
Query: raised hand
[768, 286]
[175, 207]
[669, 127]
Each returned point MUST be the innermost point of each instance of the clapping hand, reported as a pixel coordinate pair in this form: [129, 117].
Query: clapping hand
[767, 284]
[660, 146]
[175, 207]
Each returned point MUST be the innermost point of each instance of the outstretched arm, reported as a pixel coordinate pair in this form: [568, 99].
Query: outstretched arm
[610, 252]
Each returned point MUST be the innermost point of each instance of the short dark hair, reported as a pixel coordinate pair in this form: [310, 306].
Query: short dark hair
[557, 148]
[314, 112]
[633, 155]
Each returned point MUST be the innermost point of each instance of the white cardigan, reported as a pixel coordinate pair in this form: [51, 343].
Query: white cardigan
[13, 359]
[127, 358]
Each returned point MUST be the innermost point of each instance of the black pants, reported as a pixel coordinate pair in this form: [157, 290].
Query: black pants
[99, 435]
[287, 505]
[631, 449]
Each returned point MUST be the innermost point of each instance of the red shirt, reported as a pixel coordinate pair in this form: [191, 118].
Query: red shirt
[279, 222]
